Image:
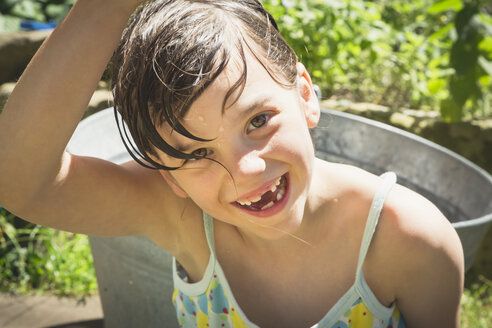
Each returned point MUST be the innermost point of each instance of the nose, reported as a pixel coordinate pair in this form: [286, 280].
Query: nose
[249, 164]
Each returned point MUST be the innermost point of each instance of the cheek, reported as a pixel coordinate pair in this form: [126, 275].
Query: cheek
[167, 160]
[202, 188]
[294, 139]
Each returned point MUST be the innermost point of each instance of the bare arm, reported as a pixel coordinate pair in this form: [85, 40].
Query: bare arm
[428, 266]
[38, 180]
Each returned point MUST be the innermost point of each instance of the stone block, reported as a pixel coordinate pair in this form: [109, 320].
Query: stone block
[402, 121]
[5, 91]
[16, 50]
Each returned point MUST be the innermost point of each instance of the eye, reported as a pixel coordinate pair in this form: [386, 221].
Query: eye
[258, 121]
[201, 153]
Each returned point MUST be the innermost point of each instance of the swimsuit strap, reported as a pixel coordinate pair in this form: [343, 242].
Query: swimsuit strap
[389, 179]
[208, 223]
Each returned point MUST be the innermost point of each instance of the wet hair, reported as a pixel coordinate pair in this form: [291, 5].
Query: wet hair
[172, 51]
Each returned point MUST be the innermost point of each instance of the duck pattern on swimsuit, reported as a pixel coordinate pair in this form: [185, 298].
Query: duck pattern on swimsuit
[210, 302]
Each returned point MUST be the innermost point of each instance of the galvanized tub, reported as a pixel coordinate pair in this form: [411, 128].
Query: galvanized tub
[134, 275]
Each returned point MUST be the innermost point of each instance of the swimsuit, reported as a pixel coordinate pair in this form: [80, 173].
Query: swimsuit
[210, 302]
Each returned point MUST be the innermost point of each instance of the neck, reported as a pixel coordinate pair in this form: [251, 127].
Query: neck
[281, 241]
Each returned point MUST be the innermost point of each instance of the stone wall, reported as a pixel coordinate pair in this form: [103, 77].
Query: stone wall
[470, 139]
[17, 49]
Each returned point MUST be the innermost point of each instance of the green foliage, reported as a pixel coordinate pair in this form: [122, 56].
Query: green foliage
[419, 54]
[470, 58]
[476, 305]
[12, 12]
[396, 53]
[34, 258]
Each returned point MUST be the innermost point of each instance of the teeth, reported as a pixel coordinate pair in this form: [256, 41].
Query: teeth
[257, 198]
[280, 194]
[276, 185]
[267, 206]
[248, 202]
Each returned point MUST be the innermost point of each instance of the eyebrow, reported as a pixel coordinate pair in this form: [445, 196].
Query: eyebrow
[185, 148]
[259, 102]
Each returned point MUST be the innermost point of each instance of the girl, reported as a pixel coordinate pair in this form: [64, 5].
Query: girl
[263, 233]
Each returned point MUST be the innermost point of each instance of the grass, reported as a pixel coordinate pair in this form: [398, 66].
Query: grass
[476, 304]
[35, 259]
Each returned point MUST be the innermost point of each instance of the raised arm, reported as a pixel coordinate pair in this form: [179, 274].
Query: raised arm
[38, 180]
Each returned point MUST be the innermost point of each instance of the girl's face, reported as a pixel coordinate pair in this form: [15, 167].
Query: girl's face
[262, 139]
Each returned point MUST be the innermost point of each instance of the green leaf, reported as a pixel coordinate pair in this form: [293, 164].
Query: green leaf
[485, 21]
[464, 56]
[9, 23]
[6, 5]
[485, 64]
[464, 87]
[434, 86]
[336, 4]
[54, 11]
[485, 80]
[441, 32]
[486, 45]
[29, 10]
[445, 5]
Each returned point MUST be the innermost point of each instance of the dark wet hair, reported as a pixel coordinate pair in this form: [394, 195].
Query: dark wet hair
[173, 50]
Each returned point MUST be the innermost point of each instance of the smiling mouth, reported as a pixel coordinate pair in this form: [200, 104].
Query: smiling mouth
[268, 199]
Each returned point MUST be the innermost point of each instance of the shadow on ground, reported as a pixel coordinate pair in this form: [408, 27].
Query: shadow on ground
[99, 323]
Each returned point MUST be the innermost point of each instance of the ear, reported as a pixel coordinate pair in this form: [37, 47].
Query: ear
[173, 184]
[308, 96]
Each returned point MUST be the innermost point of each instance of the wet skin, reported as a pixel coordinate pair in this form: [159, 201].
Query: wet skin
[261, 137]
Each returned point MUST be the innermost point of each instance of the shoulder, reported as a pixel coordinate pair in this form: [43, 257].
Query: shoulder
[418, 254]
[416, 226]
[408, 220]
[415, 258]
